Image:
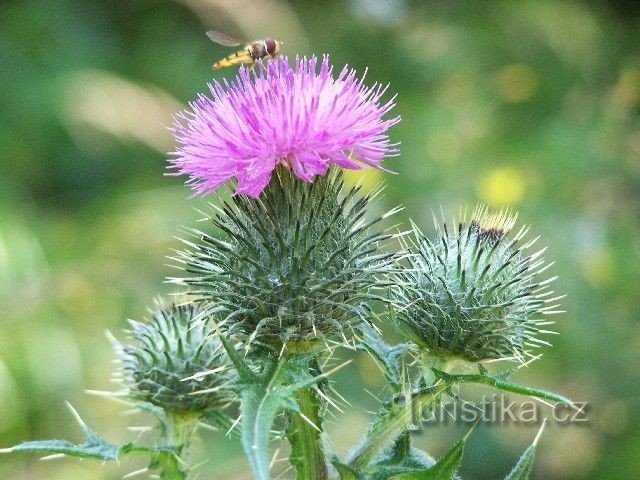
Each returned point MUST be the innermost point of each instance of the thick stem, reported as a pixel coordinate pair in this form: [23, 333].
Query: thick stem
[177, 432]
[398, 419]
[305, 436]
[283, 380]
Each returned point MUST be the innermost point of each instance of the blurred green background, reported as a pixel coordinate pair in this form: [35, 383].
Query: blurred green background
[533, 105]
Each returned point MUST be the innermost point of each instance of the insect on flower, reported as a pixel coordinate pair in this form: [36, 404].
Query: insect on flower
[252, 52]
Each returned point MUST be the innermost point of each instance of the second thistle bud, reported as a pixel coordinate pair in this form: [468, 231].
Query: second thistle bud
[474, 293]
[175, 361]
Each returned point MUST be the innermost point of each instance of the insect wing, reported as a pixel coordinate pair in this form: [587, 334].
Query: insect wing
[223, 39]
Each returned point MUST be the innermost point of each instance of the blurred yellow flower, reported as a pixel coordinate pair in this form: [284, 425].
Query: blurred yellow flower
[502, 186]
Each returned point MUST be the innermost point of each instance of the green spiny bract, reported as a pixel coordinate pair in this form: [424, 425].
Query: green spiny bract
[298, 264]
[474, 294]
[175, 361]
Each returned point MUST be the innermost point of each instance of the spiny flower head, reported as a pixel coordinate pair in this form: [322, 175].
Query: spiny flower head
[175, 361]
[474, 294]
[302, 263]
[274, 115]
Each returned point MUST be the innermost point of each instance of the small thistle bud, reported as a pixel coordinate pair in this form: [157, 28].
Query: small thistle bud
[474, 294]
[175, 361]
[298, 264]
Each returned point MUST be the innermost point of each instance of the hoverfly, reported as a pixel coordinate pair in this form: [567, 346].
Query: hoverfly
[252, 52]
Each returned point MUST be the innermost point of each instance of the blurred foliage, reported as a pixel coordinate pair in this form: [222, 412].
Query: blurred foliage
[531, 104]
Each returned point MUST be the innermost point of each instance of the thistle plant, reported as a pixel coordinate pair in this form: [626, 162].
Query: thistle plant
[292, 271]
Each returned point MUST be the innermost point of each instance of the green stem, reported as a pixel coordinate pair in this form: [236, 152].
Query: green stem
[504, 385]
[285, 383]
[177, 432]
[304, 435]
[398, 419]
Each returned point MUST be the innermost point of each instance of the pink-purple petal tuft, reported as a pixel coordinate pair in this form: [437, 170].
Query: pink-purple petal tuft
[275, 114]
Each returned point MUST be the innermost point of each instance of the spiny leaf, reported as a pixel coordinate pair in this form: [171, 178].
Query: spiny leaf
[93, 446]
[404, 457]
[382, 433]
[271, 392]
[304, 380]
[445, 468]
[261, 401]
[347, 472]
[523, 468]
[100, 450]
[244, 371]
[401, 449]
[385, 355]
[393, 421]
[221, 420]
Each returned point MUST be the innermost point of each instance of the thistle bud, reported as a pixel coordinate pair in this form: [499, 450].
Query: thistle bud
[296, 265]
[175, 361]
[474, 293]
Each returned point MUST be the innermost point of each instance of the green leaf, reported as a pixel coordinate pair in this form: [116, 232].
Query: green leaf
[500, 384]
[244, 372]
[523, 468]
[401, 450]
[382, 433]
[444, 469]
[272, 391]
[93, 446]
[394, 420]
[218, 419]
[387, 357]
[261, 401]
[404, 457]
[346, 472]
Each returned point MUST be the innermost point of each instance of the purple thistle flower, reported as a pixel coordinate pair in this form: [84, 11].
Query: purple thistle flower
[275, 114]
